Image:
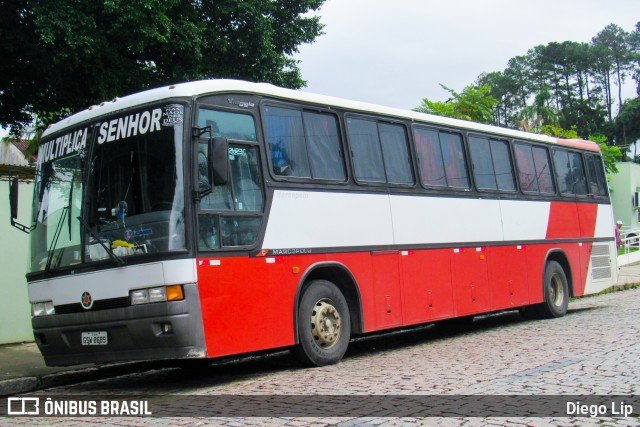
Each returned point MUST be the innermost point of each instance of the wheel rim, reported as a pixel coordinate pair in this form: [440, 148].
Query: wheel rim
[325, 323]
[556, 290]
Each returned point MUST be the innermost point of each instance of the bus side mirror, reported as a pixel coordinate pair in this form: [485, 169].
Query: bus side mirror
[13, 206]
[218, 161]
[13, 197]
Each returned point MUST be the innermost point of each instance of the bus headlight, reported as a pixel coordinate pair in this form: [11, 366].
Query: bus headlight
[141, 296]
[44, 308]
[157, 294]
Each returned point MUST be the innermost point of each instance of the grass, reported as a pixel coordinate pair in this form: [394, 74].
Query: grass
[623, 250]
[612, 289]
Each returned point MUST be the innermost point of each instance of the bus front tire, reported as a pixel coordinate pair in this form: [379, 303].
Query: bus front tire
[556, 292]
[324, 325]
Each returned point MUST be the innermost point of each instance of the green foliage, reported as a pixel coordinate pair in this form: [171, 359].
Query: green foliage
[579, 83]
[542, 113]
[559, 132]
[474, 104]
[611, 155]
[627, 124]
[61, 55]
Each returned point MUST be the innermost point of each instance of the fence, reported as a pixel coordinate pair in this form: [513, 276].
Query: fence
[629, 252]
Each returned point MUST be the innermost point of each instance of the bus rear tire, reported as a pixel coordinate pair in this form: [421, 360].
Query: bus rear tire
[324, 325]
[556, 292]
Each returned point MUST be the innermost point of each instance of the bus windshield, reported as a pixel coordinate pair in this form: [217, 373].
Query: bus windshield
[134, 197]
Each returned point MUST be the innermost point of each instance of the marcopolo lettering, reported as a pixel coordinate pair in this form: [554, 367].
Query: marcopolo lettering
[131, 125]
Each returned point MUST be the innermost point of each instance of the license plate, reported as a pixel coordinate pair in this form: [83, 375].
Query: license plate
[95, 338]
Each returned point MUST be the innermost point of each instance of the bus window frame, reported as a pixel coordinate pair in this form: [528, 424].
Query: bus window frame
[539, 194]
[203, 105]
[302, 108]
[588, 175]
[197, 210]
[410, 151]
[567, 196]
[509, 141]
[220, 213]
[444, 188]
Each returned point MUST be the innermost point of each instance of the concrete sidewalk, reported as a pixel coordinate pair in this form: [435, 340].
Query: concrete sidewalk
[629, 274]
[22, 368]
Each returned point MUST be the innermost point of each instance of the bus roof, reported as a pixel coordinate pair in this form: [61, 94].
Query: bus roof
[203, 87]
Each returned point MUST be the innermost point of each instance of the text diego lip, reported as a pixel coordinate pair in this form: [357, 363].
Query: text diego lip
[613, 409]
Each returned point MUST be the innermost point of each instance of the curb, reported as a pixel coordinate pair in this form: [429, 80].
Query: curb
[28, 384]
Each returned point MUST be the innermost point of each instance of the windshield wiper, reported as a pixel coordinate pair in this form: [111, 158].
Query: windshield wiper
[119, 261]
[56, 235]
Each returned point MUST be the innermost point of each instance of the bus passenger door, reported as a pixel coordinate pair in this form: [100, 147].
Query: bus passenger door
[426, 285]
[386, 284]
[471, 281]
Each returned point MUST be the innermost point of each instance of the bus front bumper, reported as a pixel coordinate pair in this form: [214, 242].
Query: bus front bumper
[166, 330]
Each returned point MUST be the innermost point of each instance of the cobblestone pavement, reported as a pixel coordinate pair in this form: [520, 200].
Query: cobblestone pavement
[594, 350]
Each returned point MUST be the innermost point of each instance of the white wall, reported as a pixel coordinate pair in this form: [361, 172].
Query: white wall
[15, 311]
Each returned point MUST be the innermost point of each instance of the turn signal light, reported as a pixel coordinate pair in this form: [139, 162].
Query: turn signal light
[174, 293]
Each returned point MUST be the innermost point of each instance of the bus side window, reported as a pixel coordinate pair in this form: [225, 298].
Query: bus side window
[455, 164]
[571, 177]
[482, 163]
[229, 125]
[365, 150]
[492, 166]
[543, 170]
[208, 232]
[380, 152]
[441, 159]
[502, 165]
[247, 182]
[285, 135]
[395, 152]
[526, 168]
[220, 197]
[325, 154]
[597, 180]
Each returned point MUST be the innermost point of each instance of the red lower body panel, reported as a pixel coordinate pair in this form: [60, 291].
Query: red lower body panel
[248, 303]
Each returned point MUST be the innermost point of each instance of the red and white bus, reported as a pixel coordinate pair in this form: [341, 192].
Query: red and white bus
[222, 217]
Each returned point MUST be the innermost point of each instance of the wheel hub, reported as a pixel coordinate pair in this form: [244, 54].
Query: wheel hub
[325, 323]
[556, 291]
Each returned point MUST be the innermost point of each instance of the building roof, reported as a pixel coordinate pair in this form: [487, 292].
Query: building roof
[13, 161]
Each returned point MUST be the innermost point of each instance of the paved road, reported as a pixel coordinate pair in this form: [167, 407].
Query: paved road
[594, 350]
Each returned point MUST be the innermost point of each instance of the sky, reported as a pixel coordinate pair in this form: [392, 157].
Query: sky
[397, 52]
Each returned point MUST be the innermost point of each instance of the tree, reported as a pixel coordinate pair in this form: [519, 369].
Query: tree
[473, 104]
[503, 88]
[541, 113]
[579, 77]
[610, 155]
[615, 58]
[634, 46]
[627, 124]
[60, 56]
